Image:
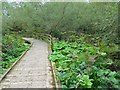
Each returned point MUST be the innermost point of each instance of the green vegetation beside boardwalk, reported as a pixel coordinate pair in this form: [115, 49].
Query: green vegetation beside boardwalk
[83, 65]
[12, 48]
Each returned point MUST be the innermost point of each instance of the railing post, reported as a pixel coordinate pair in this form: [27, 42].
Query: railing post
[51, 44]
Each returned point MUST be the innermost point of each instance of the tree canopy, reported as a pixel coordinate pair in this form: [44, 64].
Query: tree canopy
[62, 19]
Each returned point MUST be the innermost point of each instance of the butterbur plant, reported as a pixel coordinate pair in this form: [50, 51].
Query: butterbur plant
[83, 66]
[85, 81]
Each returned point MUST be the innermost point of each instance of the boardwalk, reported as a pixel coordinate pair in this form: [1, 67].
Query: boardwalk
[32, 71]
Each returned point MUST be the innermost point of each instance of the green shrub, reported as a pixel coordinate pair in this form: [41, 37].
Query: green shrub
[12, 47]
[66, 20]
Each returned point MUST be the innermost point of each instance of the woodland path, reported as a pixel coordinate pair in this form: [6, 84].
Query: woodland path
[32, 71]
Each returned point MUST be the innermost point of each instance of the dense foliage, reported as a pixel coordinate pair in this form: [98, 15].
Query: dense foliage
[12, 47]
[64, 20]
[83, 65]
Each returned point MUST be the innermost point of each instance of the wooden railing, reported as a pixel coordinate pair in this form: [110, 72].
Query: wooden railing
[51, 43]
[56, 82]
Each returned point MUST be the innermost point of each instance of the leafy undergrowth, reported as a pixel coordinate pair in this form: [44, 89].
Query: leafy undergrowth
[12, 48]
[83, 65]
